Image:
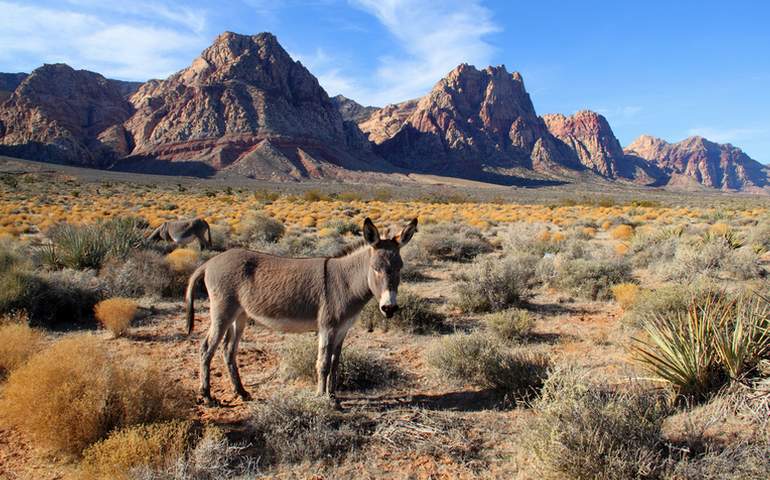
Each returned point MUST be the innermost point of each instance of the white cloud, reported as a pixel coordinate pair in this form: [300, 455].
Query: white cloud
[433, 37]
[129, 47]
[729, 135]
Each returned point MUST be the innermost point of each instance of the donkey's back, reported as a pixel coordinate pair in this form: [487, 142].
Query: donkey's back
[281, 293]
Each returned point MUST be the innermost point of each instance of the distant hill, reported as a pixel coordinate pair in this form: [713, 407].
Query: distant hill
[245, 107]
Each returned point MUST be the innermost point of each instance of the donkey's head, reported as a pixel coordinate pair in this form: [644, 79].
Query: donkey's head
[385, 265]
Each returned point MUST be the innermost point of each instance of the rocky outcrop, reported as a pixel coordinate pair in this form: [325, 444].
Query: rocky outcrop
[590, 137]
[698, 160]
[471, 121]
[385, 122]
[351, 110]
[239, 92]
[64, 115]
[8, 83]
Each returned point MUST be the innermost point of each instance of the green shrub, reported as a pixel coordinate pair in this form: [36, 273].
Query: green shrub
[359, 370]
[511, 325]
[414, 315]
[303, 427]
[452, 241]
[144, 273]
[667, 300]
[342, 226]
[256, 228]
[491, 285]
[592, 279]
[485, 361]
[712, 257]
[83, 247]
[586, 431]
[63, 297]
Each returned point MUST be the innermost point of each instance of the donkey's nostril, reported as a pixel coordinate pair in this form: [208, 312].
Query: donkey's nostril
[389, 310]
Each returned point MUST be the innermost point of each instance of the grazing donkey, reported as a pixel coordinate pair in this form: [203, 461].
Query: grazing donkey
[182, 232]
[296, 295]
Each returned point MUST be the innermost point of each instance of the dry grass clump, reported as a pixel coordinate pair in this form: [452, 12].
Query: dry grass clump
[485, 361]
[18, 342]
[359, 370]
[625, 294]
[588, 431]
[712, 256]
[155, 446]
[622, 232]
[718, 339]
[741, 461]
[511, 325]
[116, 314]
[183, 260]
[256, 228]
[303, 427]
[493, 284]
[452, 241]
[74, 393]
[414, 315]
[143, 273]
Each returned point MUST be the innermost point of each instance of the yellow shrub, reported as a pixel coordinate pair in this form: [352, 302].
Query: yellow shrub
[557, 237]
[720, 229]
[183, 259]
[327, 232]
[625, 294]
[622, 232]
[75, 392]
[156, 446]
[18, 342]
[589, 232]
[544, 236]
[115, 314]
[606, 225]
[621, 248]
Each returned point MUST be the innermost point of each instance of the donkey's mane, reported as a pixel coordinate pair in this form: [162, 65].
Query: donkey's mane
[349, 248]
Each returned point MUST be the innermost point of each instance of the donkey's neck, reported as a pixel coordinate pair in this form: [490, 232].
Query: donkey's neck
[347, 281]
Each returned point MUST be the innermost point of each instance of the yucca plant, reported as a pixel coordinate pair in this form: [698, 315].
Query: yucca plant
[742, 336]
[679, 351]
[715, 340]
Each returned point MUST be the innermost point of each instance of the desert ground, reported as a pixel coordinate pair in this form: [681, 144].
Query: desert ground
[559, 332]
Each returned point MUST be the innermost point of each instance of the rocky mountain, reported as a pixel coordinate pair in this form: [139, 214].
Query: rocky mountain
[8, 83]
[590, 137]
[351, 110]
[59, 114]
[385, 122]
[245, 105]
[472, 121]
[697, 160]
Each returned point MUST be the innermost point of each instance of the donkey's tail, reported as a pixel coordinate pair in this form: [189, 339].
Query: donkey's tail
[190, 296]
[208, 232]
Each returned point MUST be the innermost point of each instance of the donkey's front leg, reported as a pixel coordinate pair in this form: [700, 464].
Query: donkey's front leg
[323, 361]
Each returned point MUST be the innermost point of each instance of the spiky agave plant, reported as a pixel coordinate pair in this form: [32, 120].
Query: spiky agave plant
[742, 336]
[678, 347]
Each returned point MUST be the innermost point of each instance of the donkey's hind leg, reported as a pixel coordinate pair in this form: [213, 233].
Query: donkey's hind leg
[222, 316]
[233, 337]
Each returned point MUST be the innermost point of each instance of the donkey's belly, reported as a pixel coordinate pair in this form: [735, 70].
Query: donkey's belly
[288, 325]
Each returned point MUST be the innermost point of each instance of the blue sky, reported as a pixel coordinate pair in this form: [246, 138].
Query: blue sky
[666, 68]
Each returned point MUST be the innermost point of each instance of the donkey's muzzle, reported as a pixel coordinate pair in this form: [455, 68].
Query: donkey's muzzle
[389, 310]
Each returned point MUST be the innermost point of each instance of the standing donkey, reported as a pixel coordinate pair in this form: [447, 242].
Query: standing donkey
[182, 232]
[296, 295]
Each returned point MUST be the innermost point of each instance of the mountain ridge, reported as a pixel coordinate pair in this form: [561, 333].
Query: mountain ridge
[244, 106]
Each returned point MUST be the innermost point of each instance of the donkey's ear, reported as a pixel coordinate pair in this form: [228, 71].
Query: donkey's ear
[371, 235]
[407, 233]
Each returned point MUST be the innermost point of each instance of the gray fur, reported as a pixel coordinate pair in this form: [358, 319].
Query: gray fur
[182, 232]
[295, 295]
